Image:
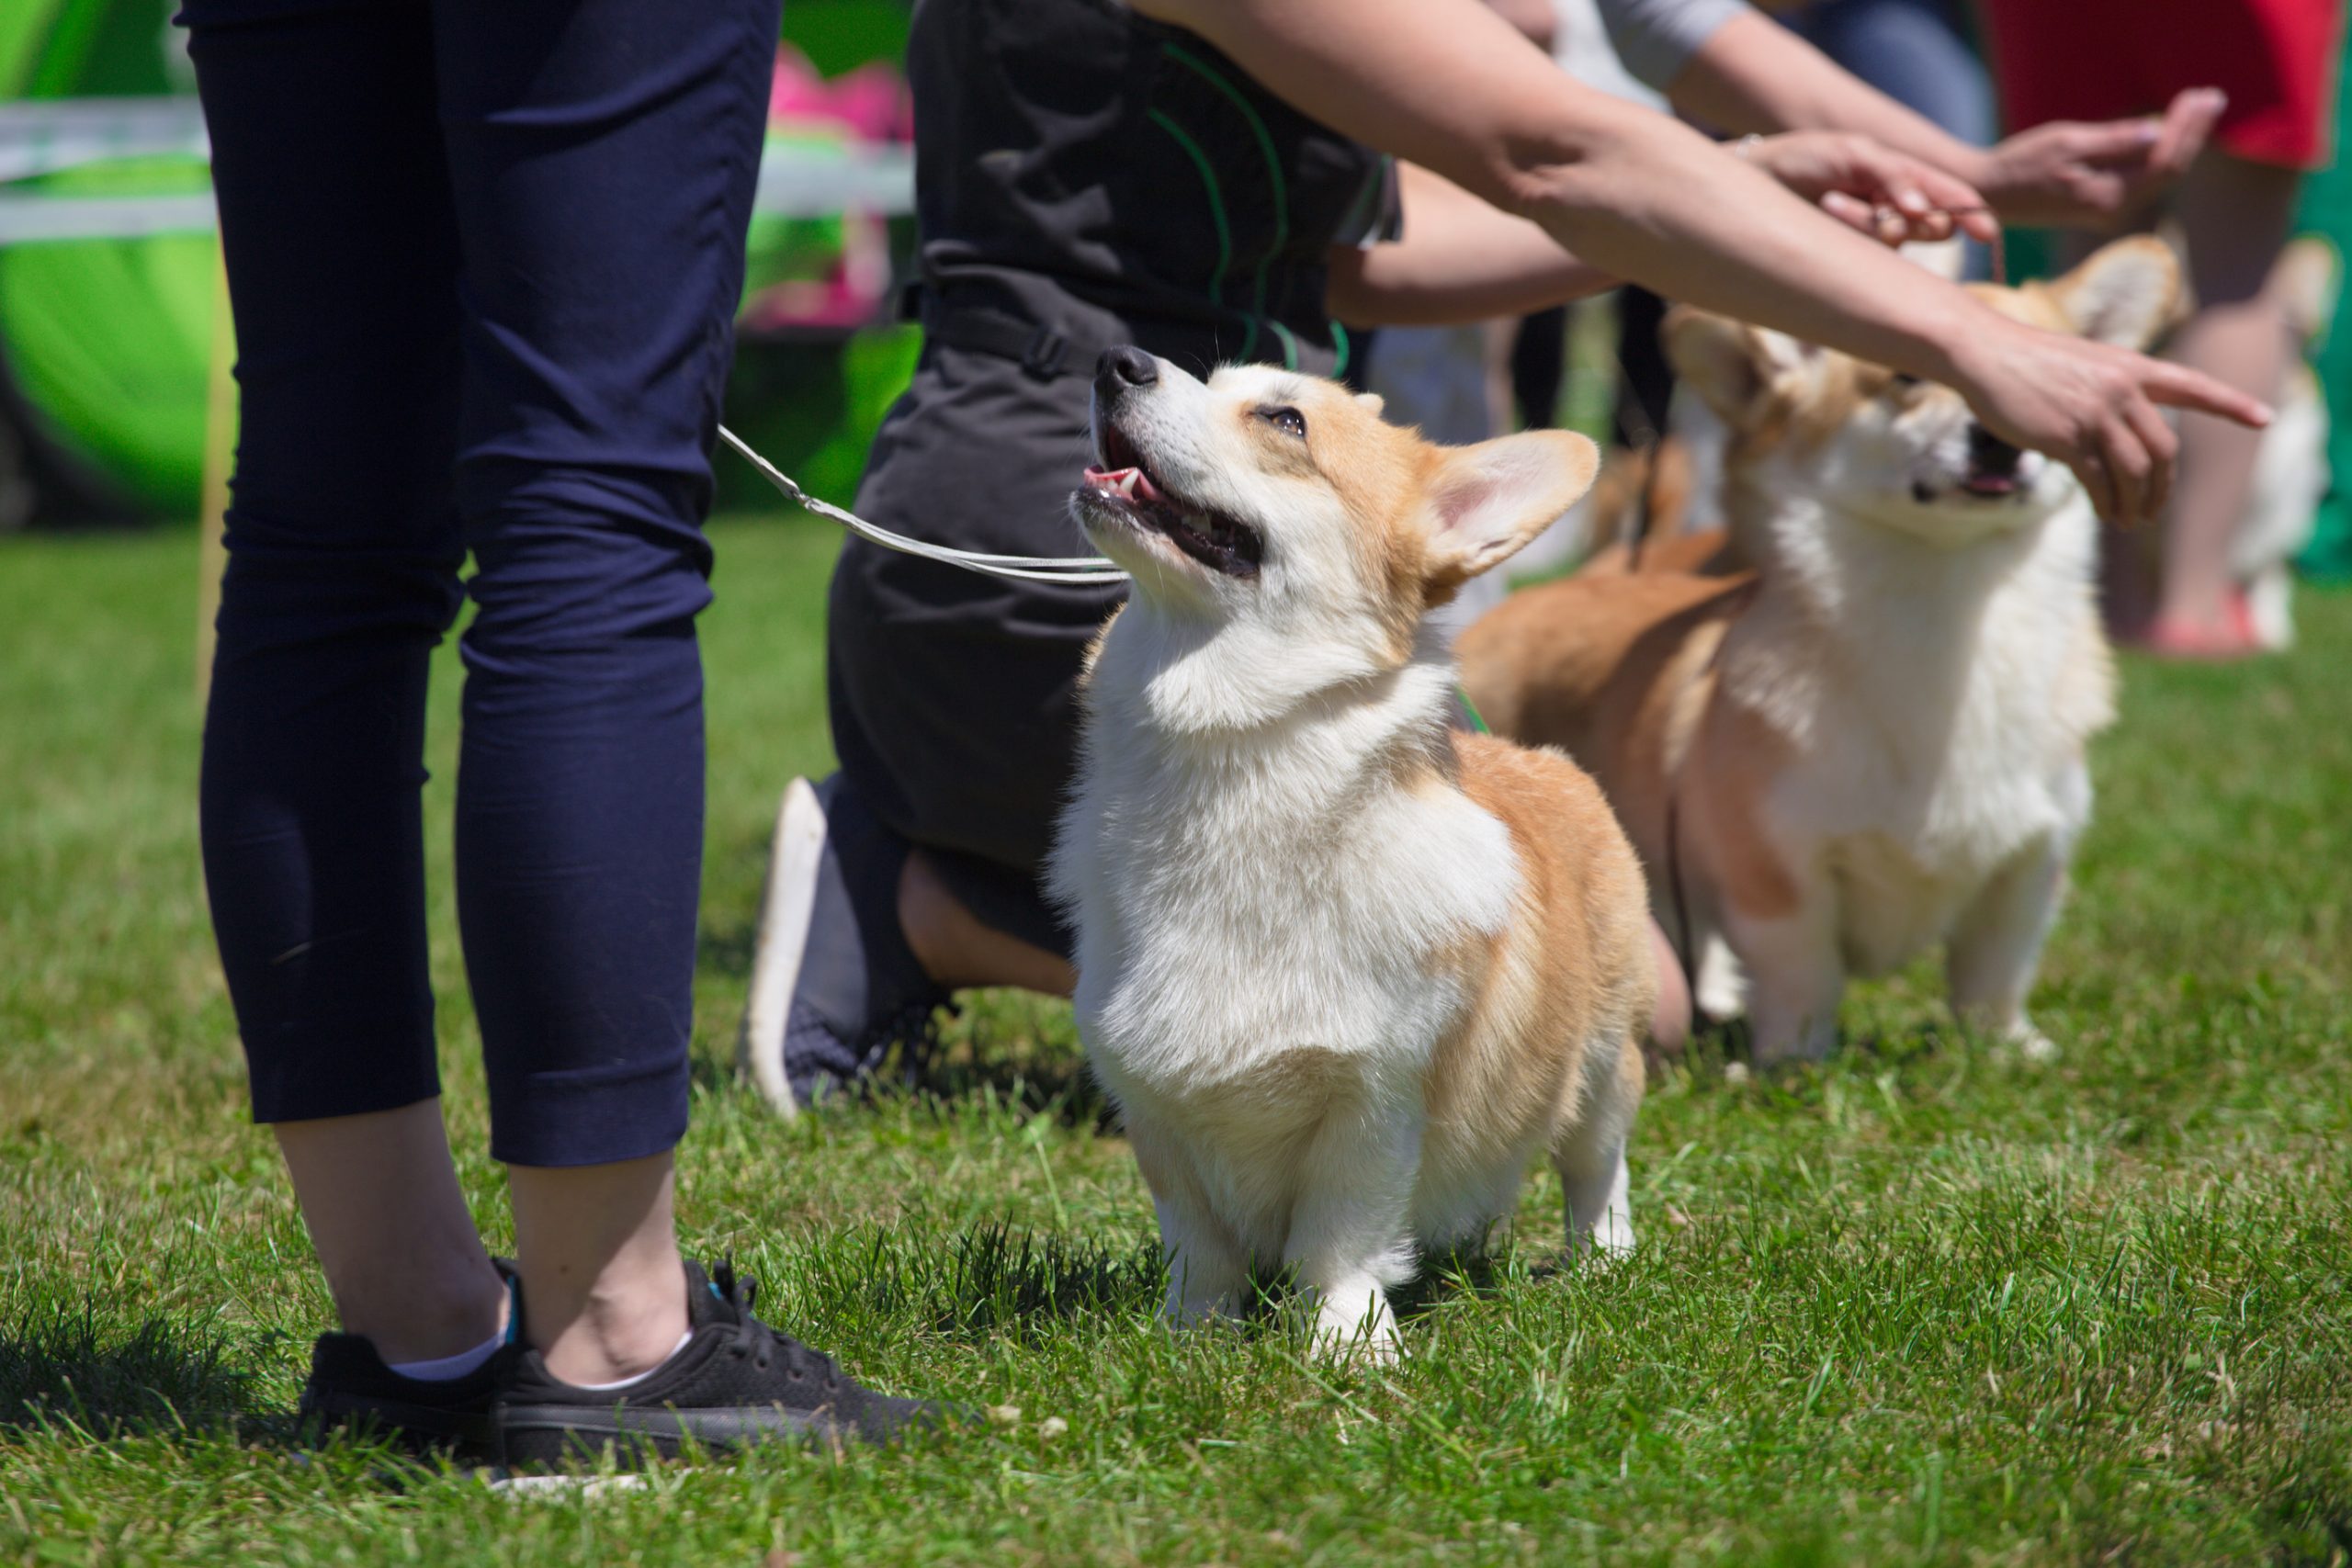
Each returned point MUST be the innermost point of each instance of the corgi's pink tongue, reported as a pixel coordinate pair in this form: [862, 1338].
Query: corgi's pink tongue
[1989, 484]
[1130, 484]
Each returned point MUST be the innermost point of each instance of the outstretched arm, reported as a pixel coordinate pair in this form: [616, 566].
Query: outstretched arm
[1459, 260]
[1753, 74]
[1448, 85]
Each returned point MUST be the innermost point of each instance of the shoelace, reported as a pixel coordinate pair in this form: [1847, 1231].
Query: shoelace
[761, 1343]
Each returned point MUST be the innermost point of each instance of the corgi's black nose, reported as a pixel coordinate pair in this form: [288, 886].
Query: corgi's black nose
[1988, 453]
[1121, 369]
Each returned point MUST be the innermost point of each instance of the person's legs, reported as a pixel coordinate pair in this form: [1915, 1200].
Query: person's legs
[393, 1232]
[603, 156]
[605, 1290]
[2234, 215]
[957, 949]
[343, 552]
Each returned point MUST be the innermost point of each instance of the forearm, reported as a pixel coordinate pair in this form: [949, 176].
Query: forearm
[1459, 261]
[1447, 85]
[1532, 19]
[1753, 74]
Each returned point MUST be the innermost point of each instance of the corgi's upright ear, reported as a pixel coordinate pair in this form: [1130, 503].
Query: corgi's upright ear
[2127, 293]
[1739, 371]
[2306, 278]
[1485, 501]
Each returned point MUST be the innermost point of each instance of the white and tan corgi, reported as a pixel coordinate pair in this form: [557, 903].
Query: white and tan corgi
[1345, 971]
[1873, 743]
[2290, 473]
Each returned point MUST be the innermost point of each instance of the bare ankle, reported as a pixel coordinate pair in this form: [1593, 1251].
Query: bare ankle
[409, 1318]
[604, 1291]
[393, 1232]
[625, 1324]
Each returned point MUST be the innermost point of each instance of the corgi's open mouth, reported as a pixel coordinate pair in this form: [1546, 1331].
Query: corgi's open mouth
[1975, 484]
[1125, 489]
[1996, 469]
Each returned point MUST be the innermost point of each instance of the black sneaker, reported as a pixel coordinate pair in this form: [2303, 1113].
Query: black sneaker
[736, 1382]
[835, 986]
[351, 1390]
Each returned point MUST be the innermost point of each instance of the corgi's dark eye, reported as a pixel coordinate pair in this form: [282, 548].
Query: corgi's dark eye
[1290, 422]
[1904, 382]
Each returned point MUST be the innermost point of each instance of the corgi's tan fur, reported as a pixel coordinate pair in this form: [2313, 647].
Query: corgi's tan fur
[1874, 742]
[1345, 970]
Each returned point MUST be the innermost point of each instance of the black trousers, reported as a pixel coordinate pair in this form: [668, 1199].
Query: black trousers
[484, 259]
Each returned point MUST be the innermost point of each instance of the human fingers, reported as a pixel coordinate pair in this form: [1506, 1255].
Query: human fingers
[1979, 224]
[2188, 122]
[2100, 192]
[1958, 204]
[2177, 386]
[1852, 211]
[1911, 185]
[1935, 227]
[2090, 468]
[1918, 200]
[2129, 469]
[2164, 448]
[2109, 142]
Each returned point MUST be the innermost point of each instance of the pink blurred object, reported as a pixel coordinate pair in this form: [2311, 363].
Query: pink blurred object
[868, 105]
[870, 102]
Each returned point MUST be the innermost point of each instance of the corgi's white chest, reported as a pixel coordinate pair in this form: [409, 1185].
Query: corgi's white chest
[1943, 741]
[1235, 910]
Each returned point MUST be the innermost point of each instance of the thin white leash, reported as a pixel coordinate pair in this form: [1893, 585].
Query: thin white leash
[1079, 569]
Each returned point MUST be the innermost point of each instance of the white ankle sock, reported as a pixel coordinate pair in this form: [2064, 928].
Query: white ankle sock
[683, 1340]
[448, 1368]
[451, 1368]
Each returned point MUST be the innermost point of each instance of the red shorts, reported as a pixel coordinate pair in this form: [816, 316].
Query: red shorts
[2106, 59]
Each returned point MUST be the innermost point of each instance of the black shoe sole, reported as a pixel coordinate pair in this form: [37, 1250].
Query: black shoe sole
[532, 1436]
[422, 1430]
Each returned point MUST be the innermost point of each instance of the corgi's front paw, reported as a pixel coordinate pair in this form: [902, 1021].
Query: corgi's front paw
[1722, 990]
[1611, 1238]
[1353, 1323]
[2029, 1042]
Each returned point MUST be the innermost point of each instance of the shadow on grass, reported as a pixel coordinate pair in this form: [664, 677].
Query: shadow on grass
[64, 1366]
[1041, 1084]
[997, 1046]
[1717, 1044]
[1060, 1088]
[994, 1280]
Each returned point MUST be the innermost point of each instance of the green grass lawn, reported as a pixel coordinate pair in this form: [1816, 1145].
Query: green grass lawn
[1922, 1305]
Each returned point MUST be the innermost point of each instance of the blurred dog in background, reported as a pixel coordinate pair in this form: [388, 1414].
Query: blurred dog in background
[1872, 741]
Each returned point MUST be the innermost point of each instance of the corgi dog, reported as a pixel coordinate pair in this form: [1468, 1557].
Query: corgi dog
[2290, 472]
[1874, 741]
[1345, 970]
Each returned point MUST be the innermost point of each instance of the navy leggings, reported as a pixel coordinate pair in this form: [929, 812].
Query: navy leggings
[484, 257]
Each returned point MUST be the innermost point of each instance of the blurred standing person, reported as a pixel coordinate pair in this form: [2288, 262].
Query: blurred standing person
[2278, 61]
[1918, 52]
